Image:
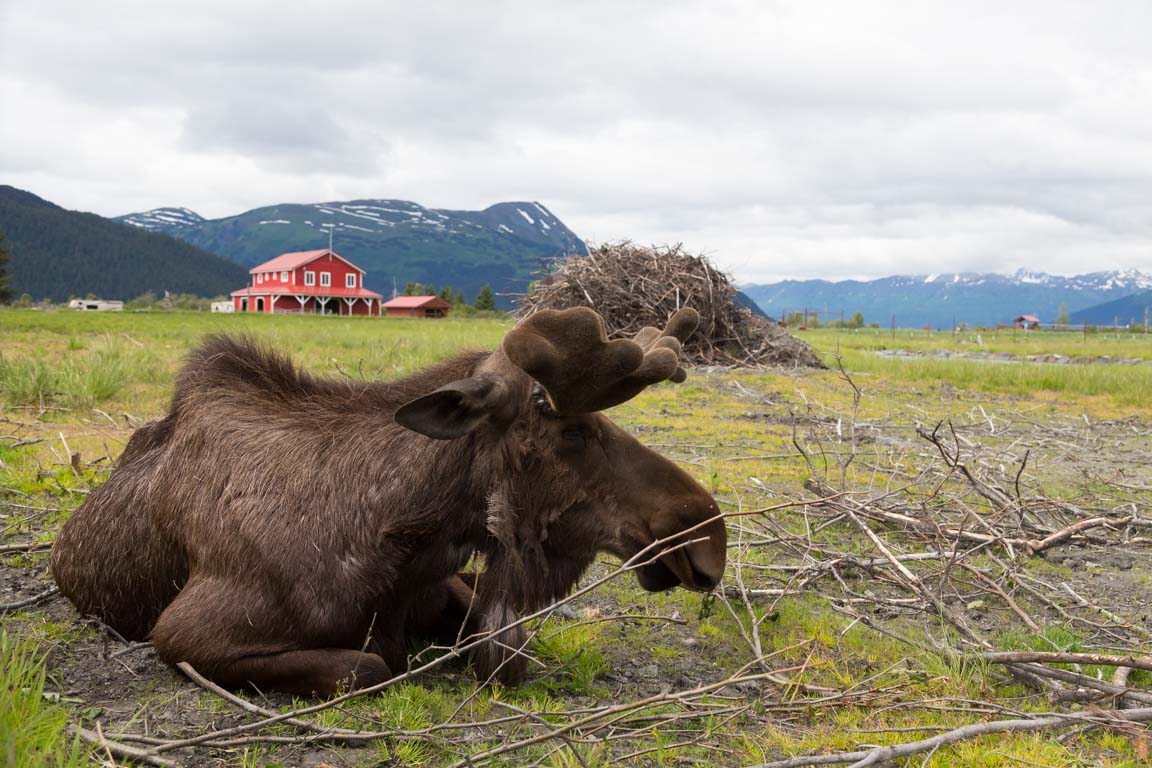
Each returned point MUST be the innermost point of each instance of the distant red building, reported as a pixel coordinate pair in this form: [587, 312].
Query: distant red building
[417, 306]
[1027, 322]
[319, 282]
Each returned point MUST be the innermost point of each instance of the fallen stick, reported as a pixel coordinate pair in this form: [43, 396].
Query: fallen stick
[1066, 533]
[1032, 625]
[1043, 657]
[1084, 681]
[880, 754]
[331, 733]
[119, 750]
[35, 599]
[36, 546]
[1119, 620]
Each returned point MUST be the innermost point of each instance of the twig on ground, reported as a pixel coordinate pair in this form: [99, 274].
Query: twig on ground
[881, 754]
[41, 597]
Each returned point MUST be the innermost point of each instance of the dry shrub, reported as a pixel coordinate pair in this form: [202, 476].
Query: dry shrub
[632, 286]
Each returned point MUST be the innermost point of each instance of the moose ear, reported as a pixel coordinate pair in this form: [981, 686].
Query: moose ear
[450, 412]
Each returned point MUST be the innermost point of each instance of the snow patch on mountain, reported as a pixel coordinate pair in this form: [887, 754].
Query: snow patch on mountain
[159, 219]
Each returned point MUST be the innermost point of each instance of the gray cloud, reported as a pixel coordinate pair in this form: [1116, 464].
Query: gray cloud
[831, 139]
[274, 131]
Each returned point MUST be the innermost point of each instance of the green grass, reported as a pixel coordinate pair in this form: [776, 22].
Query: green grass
[64, 375]
[1070, 344]
[572, 651]
[1125, 385]
[1122, 385]
[81, 361]
[32, 722]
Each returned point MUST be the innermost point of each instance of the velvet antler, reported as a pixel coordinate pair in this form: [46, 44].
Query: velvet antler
[582, 371]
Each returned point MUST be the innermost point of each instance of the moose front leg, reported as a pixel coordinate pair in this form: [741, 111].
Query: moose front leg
[231, 636]
[316, 671]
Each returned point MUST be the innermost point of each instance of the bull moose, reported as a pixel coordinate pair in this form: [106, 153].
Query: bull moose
[296, 533]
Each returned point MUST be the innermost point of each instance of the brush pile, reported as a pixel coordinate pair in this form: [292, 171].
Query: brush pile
[632, 286]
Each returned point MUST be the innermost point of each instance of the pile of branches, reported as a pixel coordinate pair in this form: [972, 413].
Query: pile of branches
[632, 286]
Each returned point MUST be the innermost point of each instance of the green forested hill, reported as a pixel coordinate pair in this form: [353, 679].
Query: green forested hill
[56, 253]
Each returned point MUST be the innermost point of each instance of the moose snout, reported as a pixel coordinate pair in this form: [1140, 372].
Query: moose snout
[668, 516]
[693, 556]
[706, 558]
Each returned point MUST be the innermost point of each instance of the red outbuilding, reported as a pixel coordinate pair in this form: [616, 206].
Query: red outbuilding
[1027, 322]
[417, 306]
[320, 282]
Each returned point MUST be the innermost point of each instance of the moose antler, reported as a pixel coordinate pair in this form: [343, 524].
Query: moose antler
[582, 371]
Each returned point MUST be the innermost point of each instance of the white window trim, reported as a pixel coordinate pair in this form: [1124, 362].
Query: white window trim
[325, 279]
[259, 277]
[283, 277]
[350, 280]
[309, 278]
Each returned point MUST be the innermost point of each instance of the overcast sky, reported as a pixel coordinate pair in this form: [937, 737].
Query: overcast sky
[784, 139]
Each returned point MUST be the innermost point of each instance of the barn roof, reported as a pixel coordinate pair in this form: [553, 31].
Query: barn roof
[1026, 319]
[290, 261]
[417, 302]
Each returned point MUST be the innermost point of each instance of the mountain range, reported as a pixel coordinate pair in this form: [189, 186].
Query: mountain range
[1129, 310]
[56, 253]
[976, 298]
[395, 241]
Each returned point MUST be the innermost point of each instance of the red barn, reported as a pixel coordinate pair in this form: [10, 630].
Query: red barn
[417, 306]
[320, 282]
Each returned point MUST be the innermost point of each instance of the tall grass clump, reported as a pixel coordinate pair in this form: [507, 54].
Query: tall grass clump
[32, 728]
[27, 381]
[99, 376]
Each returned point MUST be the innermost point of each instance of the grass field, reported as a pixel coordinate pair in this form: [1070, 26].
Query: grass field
[816, 644]
[1123, 384]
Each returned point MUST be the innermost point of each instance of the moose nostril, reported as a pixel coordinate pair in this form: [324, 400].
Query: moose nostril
[702, 580]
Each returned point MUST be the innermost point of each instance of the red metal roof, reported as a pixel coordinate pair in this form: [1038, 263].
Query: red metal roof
[416, 302]
[286, 262]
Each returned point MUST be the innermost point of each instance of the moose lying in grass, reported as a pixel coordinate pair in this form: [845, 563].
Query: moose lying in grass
[295, 534]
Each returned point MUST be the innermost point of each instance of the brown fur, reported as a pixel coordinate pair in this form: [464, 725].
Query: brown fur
[273, 523]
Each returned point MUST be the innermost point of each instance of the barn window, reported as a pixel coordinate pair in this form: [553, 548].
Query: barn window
[350, 280]
[325, 279]
[259, 277]
[309, 278]
[283, 277]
